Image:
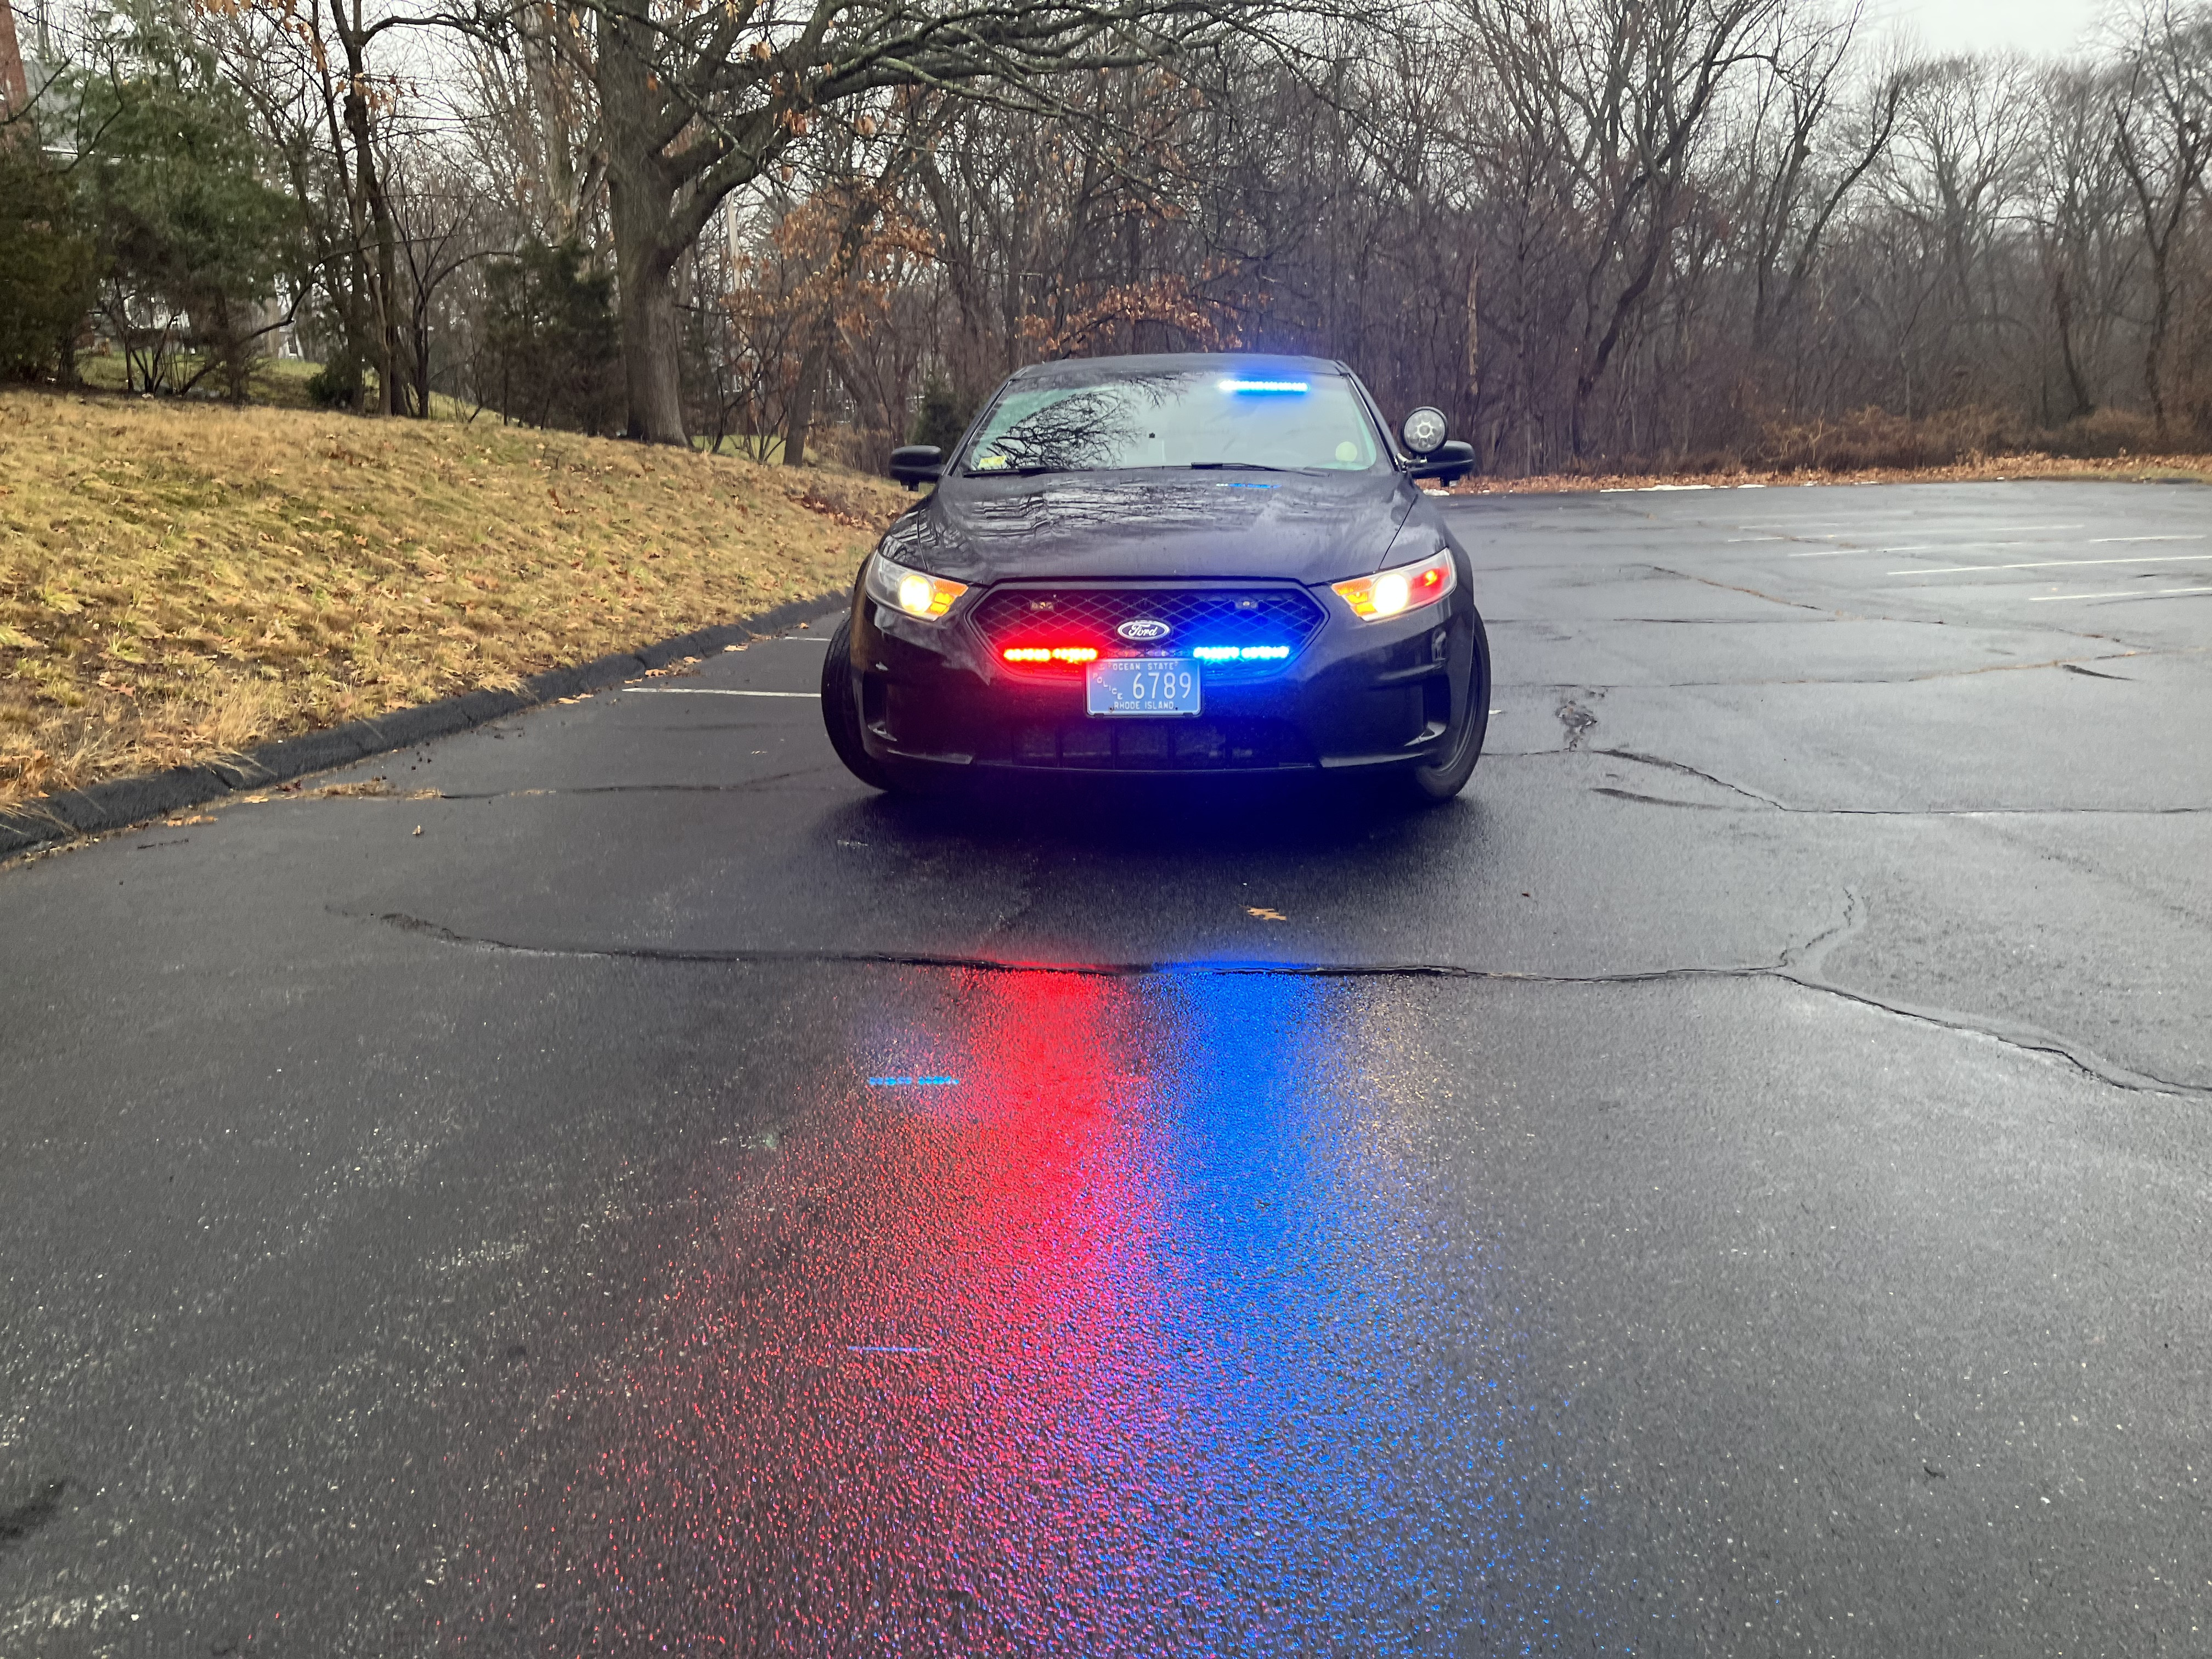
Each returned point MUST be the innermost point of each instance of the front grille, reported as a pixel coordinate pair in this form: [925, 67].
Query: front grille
[1158, 745]
[1090, 616]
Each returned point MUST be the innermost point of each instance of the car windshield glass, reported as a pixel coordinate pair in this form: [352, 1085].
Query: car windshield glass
[1215, 418]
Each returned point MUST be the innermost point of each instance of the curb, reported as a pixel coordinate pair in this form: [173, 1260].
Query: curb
[122, 801]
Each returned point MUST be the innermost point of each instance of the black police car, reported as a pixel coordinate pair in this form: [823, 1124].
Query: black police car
[1169, 564]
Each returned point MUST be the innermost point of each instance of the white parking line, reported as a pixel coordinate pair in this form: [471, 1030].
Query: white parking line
[2155, 593]
[2011, 529]
[707, 691]
[1947, 547]
[2198, 537]
[2046, 564]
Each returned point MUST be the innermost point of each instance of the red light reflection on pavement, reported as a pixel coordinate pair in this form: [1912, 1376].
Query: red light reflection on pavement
[1153, 1333]
[903, 1415]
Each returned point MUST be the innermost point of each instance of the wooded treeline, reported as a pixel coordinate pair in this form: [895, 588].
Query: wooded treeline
[1596, 232]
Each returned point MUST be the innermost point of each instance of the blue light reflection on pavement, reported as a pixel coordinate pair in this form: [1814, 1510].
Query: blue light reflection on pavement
[1148, 1335]
[1367, 1422]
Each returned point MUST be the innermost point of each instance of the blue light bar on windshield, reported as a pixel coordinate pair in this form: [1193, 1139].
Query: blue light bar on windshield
[1240, 652]
[1264, 385]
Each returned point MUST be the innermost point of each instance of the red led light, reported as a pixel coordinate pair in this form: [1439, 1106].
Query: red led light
[1050, 654]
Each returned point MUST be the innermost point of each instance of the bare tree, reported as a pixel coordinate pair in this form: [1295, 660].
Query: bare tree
[694, 103]
[2162, 124]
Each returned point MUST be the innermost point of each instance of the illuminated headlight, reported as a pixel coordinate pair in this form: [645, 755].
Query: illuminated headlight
[914, 591]
[1393, 593]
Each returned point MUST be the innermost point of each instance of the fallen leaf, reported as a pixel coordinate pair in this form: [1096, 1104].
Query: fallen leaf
[1266, 916]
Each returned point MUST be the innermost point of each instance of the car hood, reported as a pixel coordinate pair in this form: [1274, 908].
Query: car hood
[1307, 527]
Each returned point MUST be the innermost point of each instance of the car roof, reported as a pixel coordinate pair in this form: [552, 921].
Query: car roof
[1169, 362]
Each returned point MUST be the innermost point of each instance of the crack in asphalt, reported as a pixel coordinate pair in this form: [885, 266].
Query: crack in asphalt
[1731, 587]
[1855, 615]
[1690, 771]
[1658, 800]
[1687, 770]
[1797, 965]
[2071, 664]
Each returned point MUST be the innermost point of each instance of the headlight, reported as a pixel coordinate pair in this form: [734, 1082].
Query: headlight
[915, 592]
[1409, 587]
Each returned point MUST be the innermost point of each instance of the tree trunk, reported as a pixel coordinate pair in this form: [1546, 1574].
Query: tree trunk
[391, 395]
[2062, 305]
[2161, 317]
[646, 242]
[802, 400]
[651, 340]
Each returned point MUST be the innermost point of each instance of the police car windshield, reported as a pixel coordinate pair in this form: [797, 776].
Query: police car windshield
[1215, 418]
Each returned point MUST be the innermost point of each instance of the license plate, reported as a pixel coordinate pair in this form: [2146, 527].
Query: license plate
[1142, 685]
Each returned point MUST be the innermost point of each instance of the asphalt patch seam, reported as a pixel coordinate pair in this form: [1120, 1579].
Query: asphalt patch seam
[1847, 811]
[1692, 771]
[1797, 965]
[1730, 588]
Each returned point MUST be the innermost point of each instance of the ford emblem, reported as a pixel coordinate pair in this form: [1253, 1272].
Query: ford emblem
[1144, 628]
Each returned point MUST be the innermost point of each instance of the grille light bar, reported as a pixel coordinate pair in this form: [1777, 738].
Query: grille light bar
[1050, 654]
[1291, 387]
[1240, 652]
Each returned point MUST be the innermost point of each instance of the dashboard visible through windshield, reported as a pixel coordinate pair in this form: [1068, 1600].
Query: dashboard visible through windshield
[1184, 419]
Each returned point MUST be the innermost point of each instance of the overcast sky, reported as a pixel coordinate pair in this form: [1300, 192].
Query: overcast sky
[2047, 27]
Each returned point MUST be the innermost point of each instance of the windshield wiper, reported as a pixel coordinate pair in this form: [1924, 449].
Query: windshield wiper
[1240, 466]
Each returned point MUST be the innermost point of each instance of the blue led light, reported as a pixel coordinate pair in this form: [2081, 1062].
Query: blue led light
[911, 1082]
[1240, 653]
[1278, 387]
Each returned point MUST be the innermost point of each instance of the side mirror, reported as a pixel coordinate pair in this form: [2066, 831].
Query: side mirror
[1449, 462]
[916, 465]
[1423, 431]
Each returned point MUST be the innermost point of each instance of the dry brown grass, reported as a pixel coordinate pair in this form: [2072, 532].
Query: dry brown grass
[183, 581]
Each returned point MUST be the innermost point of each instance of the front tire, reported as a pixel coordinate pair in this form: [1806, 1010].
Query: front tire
[840, 711]
[1433, 785]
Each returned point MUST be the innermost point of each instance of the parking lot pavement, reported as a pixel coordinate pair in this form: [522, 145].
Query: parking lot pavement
[1734, 1182]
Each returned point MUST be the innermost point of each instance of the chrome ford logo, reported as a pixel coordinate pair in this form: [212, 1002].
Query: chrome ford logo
[1144, 628]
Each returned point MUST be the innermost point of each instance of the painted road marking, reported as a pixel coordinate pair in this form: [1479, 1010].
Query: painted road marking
[1947, 547]
[2198, 537]
[2046, 564]
[708, 691]
[2155, 593]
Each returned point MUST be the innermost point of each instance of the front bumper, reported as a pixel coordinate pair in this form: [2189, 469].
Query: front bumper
[1358, 695]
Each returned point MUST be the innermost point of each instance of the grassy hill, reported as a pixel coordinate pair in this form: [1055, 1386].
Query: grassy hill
[178, 582]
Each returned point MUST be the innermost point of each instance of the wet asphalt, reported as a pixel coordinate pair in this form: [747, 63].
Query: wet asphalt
[1738, 1182]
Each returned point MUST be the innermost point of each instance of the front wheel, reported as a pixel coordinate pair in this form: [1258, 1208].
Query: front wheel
[1432, 785]
[840, 711]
